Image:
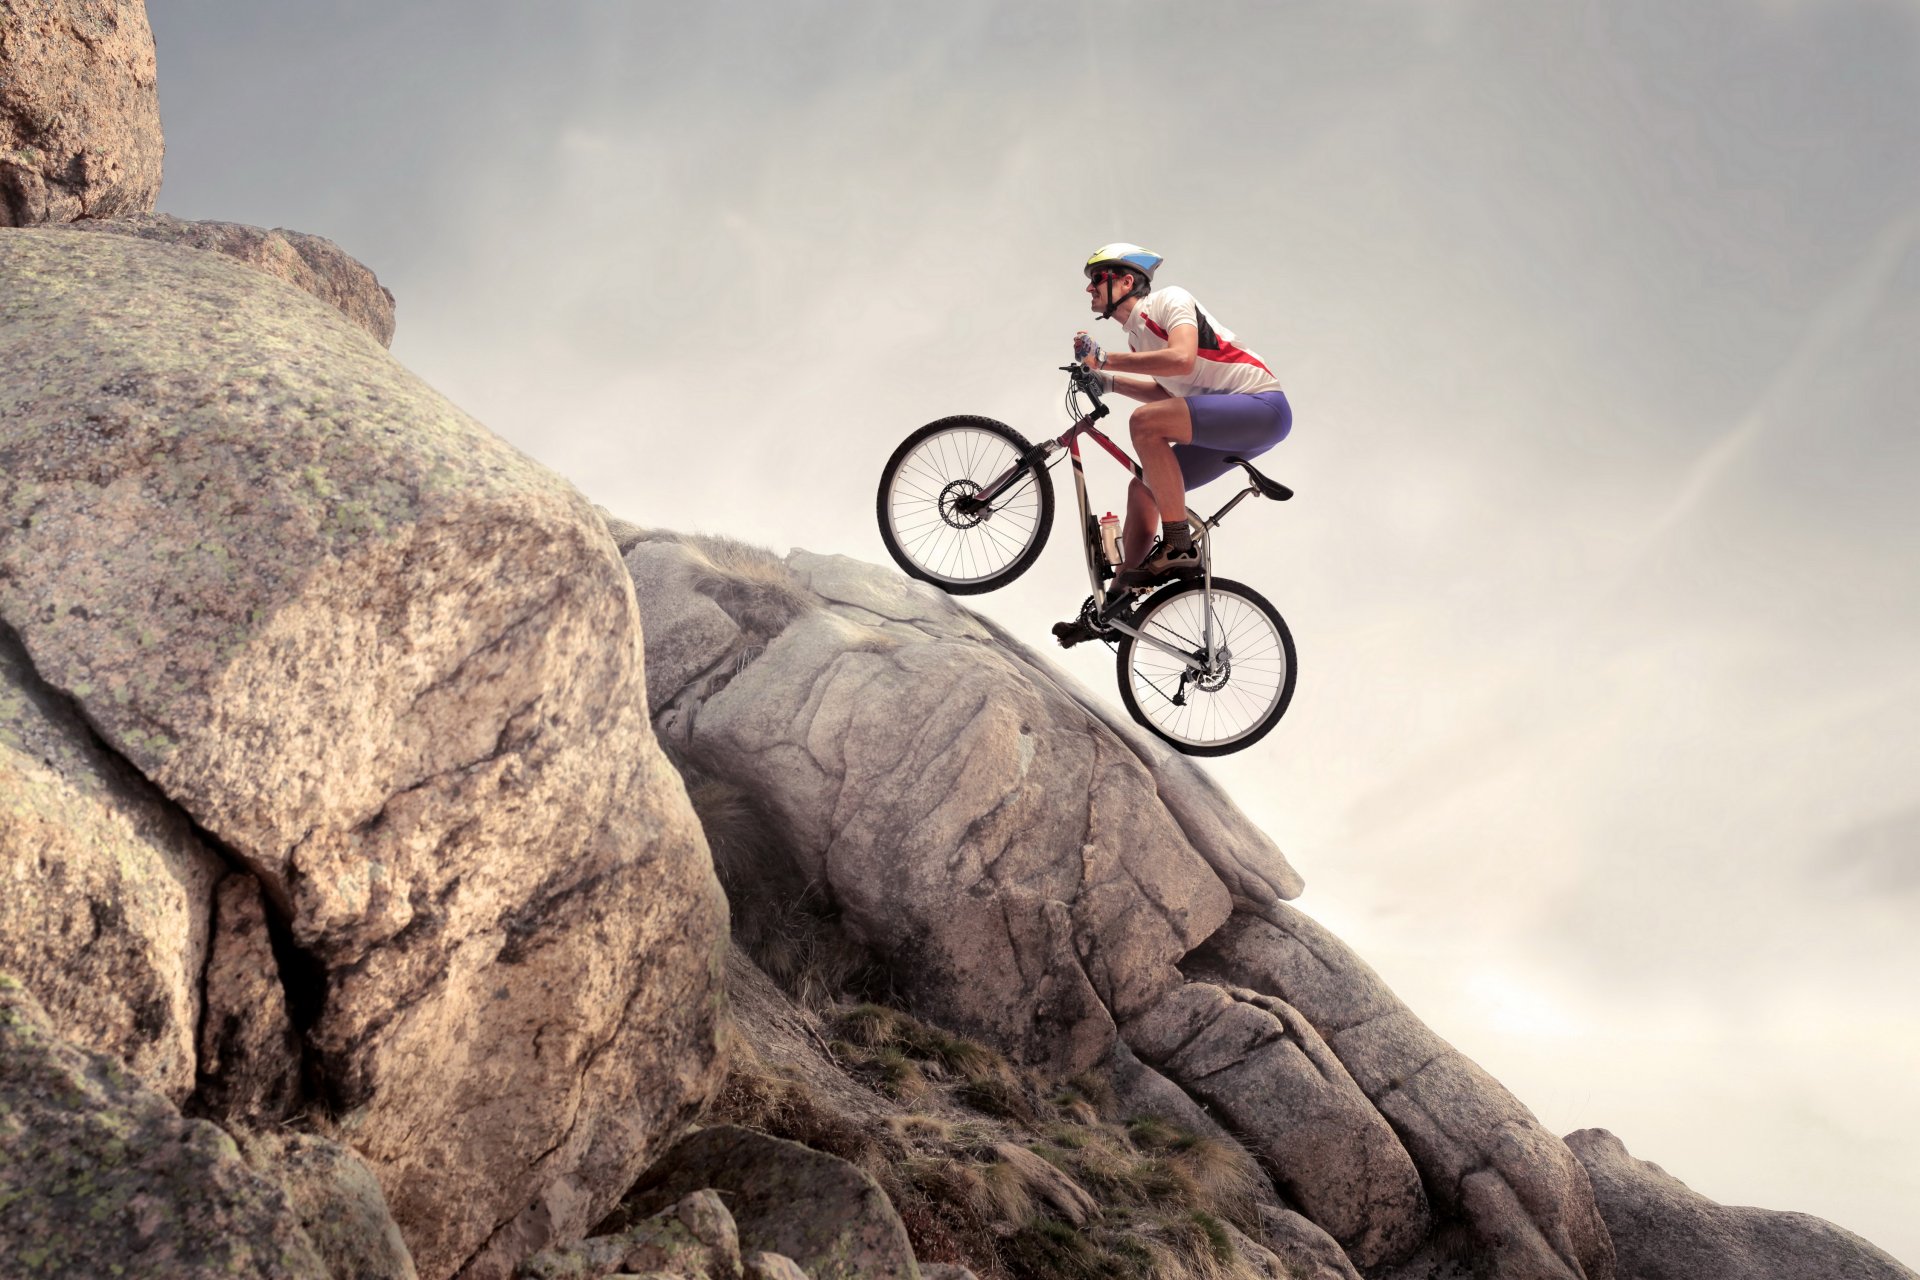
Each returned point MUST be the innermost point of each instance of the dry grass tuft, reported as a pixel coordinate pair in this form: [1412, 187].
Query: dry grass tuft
[948, 1055]
[779, 917]
[755, 1097]
[754, 586]
[1096, 1088]
[1077, 1110]
[999, 1096]
[911, 1128]
[1225, 1179]
[1166, 1194]
[1006, 1193]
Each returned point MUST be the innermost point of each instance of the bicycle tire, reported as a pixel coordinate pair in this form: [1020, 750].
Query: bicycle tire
[929, 540]
[1227, 718]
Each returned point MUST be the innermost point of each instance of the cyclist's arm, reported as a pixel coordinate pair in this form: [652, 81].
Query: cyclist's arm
[1139, 388]
[1175, 361]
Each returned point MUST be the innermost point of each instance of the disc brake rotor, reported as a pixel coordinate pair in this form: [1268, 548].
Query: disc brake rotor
[1215, 678]
[950, 510]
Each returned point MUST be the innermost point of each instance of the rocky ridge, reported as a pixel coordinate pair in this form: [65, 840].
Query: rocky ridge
[366, 809]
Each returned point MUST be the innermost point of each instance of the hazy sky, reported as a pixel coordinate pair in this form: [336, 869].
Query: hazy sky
[1599, 321]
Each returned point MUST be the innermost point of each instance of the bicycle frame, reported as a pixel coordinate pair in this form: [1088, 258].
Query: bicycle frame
[1089, 530]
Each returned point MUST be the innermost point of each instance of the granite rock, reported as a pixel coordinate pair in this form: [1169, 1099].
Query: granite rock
[394, 668]
[99, 1173]
[79, 111]
[1664, 1230]
[825, 1214]
[309, 263]
[1481, 1154]
[1274, 1083]
[105, 888]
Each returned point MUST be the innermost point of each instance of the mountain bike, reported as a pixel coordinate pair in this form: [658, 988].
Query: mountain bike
[966, 503]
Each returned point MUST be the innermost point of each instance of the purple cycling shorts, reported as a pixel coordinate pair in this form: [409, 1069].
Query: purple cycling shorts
[1231, 426]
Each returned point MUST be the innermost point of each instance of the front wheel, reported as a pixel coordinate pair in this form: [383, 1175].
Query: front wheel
[928, 522]
[1237, 696]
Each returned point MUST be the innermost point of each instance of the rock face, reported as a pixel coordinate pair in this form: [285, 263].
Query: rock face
[1014, 860]
[1311, 1253]
[696, 1237]
[1664, 1230]
[395, 669]
[1481, 1154]
[1276, 1085]
[308, 263]
[337, 1201]
[79, 111]
[823, 1213]
[104, 887]
[100, 1175]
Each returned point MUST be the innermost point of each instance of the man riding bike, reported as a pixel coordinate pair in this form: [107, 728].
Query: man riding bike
[1205, 399]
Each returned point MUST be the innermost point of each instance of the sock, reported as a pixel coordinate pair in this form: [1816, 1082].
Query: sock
[1179, 537]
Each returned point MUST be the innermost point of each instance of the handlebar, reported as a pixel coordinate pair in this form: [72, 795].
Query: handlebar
[1081, 382]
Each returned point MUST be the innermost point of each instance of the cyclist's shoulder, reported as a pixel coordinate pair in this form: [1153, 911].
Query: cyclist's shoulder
[1170, 301]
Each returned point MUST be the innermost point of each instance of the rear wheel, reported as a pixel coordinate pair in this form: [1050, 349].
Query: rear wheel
[926, 521]
[1234, 700]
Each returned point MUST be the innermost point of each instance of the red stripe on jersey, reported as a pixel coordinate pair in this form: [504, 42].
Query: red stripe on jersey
[1227, 354]
[1230, 354]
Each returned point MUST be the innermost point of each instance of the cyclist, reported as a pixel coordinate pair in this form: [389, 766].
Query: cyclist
[1205, 399]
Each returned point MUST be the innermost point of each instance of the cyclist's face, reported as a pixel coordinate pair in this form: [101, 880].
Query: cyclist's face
[1100, 287]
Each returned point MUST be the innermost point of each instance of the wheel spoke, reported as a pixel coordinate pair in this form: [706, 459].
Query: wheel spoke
[919, 509]
[1239, 699]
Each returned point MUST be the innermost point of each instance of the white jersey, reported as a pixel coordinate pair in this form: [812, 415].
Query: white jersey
[1221, 369]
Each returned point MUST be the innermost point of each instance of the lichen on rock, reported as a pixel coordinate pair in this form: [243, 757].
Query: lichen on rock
[393, 667]
[79, 111]
[100, 1175]
[105, 889]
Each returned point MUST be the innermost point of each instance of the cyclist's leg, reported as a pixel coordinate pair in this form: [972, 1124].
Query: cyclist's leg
[1158, 426]
[1244, 426]
[1200, 466]
[1143, 522]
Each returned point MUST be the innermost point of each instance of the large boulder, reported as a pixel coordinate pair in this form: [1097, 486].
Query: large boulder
[695, 1239]
[100, 1175]
[1027, 873]
[394, 667]
[829, 1216]
[1309, 1252]
[337, 1200]
[105, 889]
[1482, 1155]
[307, 262]
[79, 111]
[1274, 1083]
[1664, 1230]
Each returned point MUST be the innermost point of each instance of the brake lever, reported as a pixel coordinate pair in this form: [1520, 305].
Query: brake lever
[1083, 381]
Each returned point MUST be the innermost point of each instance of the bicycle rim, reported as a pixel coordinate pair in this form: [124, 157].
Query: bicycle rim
[1229, 708]
[943, 544]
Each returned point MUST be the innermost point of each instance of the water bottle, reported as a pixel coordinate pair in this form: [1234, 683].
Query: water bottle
[1110, 537]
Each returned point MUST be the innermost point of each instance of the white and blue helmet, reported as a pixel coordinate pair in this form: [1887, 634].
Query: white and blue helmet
[1125, 257]
[1111, 259]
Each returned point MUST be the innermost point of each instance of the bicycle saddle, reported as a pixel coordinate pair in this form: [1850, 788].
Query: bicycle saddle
[1268, 488]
